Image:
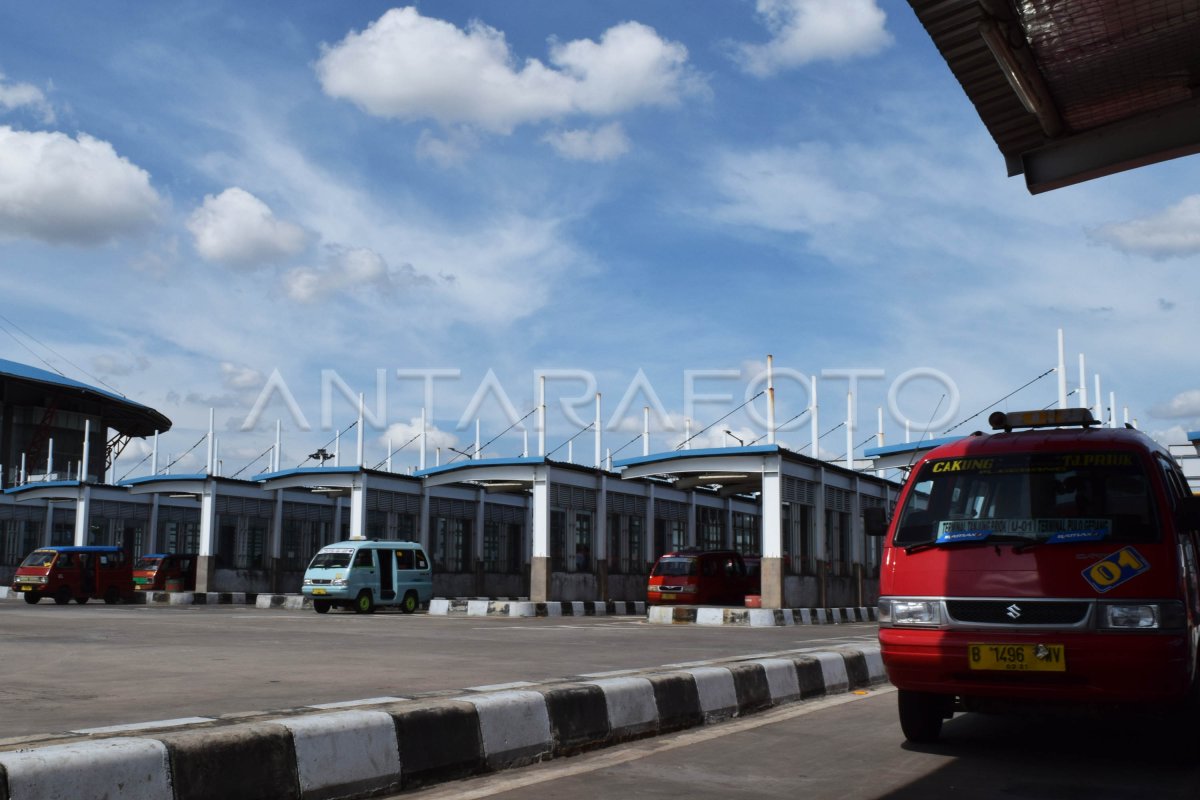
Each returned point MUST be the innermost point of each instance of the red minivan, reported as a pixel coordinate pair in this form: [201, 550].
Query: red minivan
[74, 573]
[1052, 563]
[171, 572]
[700, 577]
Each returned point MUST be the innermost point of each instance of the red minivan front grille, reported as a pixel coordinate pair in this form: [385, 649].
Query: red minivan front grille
[1018, 612]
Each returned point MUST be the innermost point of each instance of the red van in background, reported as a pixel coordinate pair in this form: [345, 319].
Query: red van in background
[169, 572]
[700, 577]
[1040, 567]
[74, 573]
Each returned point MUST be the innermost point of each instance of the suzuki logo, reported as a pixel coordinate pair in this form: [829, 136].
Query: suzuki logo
[1013, 611]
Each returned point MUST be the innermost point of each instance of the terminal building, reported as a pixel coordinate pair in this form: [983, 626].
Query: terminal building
[494, 527]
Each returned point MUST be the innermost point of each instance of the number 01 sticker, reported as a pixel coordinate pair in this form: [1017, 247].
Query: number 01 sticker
[1115, 569]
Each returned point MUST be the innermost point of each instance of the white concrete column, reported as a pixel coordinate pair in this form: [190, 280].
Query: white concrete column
[772, 534]
[358, 507]
[206, 565]
[83, 507]
[539, 567]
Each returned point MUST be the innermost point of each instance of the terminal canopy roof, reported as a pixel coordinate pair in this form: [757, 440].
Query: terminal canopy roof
[1073, 90]
[21, 384]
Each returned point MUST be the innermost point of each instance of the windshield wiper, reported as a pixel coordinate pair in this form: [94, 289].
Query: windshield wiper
[919, 546]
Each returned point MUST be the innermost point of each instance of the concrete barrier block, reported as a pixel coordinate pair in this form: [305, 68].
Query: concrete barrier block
[598, 609]
[765, 617]
[522, 609]
[833, 670]
[630, 706]
[578, 608]
[750, 683]
[439, 606]
[132, 769]
[710, 616]
[349, 753]
[677, 700]
[514, 726]
[554, 609]
[662, 615]
[783, 682]
[477, 608]
[810, 676]
[181, 598]
[718, 695]
[876, 671]
[236, 762]
[578, 718]
[439, 741]
[858, 670]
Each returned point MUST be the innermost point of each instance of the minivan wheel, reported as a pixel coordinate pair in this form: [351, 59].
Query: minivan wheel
[364, 603]
[321, 606]
[410, 603]
[62, 596]
[81, 600]
[921, 715]
[32, 597]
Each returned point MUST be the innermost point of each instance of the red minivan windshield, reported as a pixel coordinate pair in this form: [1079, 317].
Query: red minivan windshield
[1029, 499]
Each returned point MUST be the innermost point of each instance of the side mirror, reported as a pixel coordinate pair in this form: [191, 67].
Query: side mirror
[1187, 516]
[875, 521]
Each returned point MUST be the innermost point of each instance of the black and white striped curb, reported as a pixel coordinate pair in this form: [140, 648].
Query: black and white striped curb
[441, 606]
[393, 746]
[766, 617]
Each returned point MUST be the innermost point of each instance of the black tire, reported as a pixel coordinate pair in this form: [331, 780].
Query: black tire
[112, 596]
[410, 602]
[322, 606]
[81, 600]
[32, 597]
[364, 603]
[921, 715]
[62, 596]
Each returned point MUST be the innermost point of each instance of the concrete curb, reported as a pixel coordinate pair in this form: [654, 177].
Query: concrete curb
[442, 606]
[194, 598]
[759, 617]
[403, 745]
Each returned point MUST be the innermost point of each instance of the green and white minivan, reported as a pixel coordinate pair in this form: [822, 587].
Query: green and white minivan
[365, 573]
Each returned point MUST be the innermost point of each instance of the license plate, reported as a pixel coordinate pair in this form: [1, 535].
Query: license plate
[26, 588]
[1017, 657]
[667, 595]
[319, 591]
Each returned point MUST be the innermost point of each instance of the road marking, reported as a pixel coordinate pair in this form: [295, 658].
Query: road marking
[500, 783]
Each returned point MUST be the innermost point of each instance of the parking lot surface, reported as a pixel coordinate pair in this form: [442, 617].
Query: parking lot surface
[69, 668]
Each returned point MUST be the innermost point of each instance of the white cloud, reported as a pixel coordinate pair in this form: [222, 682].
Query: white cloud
[73, 191]
[350, 269]
[1174, 232]
[804, 31]
[25, 95]
[451, 150]
[405, 437]
[410, 67]
[606, 143]
[237, 376]
[788, 190]
[237, 229]
[1181, 406]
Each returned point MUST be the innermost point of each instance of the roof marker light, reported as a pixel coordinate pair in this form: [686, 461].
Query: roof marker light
[1044, 418]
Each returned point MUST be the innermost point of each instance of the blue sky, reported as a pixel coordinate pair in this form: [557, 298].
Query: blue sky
[214, 205]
